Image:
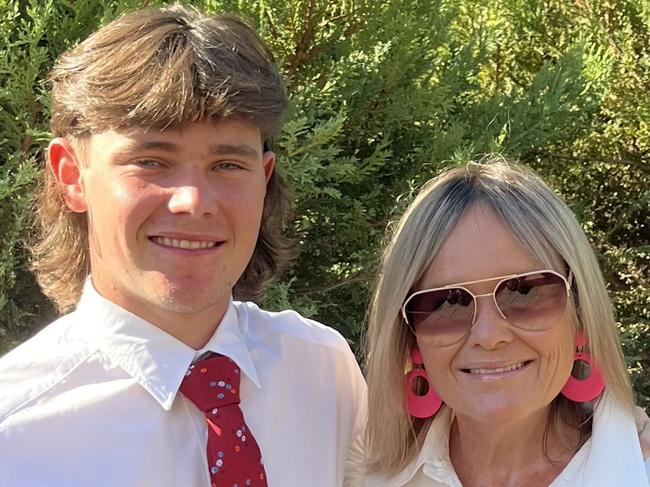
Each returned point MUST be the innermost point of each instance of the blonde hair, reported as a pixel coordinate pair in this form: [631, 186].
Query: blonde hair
[158, 68]
[544, 224]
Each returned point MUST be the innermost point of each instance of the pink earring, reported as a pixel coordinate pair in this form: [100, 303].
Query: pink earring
[590, 388]
[420, 406]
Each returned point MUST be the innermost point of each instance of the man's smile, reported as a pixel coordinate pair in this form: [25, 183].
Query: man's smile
[182, 243]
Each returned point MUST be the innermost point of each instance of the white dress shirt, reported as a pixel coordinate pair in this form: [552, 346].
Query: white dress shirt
[92, 400]
[611, 457]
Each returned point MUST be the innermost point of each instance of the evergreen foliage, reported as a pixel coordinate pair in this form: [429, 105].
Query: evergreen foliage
[384, 94]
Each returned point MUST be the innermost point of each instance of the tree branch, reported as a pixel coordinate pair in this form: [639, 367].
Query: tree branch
[364, 277]
[272, 28]
[638, 164]
[305, 40]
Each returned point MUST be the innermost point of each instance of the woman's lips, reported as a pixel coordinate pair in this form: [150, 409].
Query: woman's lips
[487, 370]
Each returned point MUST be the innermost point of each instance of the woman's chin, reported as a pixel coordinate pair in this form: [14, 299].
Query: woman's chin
[501, 412]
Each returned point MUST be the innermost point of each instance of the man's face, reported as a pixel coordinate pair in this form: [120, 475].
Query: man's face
[173, 216]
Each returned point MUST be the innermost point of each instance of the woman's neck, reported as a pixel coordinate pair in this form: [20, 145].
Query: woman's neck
[513, 454]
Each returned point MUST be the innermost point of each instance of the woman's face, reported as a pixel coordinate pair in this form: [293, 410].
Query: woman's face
[498, 373]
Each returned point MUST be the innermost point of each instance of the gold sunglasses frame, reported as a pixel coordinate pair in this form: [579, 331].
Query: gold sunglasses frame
[461, 285]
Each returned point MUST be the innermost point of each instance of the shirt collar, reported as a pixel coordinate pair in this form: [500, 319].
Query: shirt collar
[611, 456]
[434, 454]
[228, 340]
[151, 356]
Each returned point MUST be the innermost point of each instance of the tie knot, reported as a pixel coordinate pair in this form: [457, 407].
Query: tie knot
[212, 383]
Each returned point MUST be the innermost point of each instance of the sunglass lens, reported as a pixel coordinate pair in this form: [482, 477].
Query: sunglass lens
[442, 316]
[533, 302]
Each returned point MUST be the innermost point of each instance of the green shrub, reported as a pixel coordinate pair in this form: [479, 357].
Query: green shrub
[384, 94]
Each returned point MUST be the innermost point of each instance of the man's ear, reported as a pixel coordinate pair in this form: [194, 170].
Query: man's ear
[268, 161]
[66, 169]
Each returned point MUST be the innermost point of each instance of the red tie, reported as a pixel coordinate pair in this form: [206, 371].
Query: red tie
[234, 459]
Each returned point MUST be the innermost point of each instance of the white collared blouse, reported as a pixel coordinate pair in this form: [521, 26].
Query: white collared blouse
[92, 401]
[610, 458]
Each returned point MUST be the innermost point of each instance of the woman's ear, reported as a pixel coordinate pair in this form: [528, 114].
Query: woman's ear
[65, 166]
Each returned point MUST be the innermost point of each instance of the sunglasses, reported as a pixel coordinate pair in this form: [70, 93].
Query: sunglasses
[532, 301]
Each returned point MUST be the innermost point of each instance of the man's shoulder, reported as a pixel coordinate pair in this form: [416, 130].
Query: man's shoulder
[40, 363]
[261, 323]
[289, 338]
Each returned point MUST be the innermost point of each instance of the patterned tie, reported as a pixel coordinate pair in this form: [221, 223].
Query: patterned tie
[234, 459]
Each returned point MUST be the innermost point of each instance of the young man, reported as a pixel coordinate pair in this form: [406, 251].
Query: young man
[160, 203]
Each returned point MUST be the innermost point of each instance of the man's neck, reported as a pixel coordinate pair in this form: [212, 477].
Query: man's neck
[194, 330]
[192, 326]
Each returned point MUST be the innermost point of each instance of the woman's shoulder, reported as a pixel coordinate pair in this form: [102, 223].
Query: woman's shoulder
[612, 456]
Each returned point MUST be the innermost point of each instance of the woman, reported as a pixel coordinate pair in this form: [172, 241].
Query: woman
[489, 294]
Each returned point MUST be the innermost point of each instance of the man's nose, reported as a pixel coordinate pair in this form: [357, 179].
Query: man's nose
[192, 196]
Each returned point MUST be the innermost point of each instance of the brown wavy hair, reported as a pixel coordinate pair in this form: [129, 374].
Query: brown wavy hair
[159, 68]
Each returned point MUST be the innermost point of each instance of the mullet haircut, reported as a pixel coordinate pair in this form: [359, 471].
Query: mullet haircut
[159, 68]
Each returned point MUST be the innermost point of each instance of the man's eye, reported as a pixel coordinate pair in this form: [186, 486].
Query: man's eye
[228, 165]
[147, 163]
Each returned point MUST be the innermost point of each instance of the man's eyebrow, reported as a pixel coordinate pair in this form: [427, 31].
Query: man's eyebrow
[234, 149]
[217, 149]
[152, 145]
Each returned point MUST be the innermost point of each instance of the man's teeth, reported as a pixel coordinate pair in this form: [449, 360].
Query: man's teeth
[184, 244]
[498, 370]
